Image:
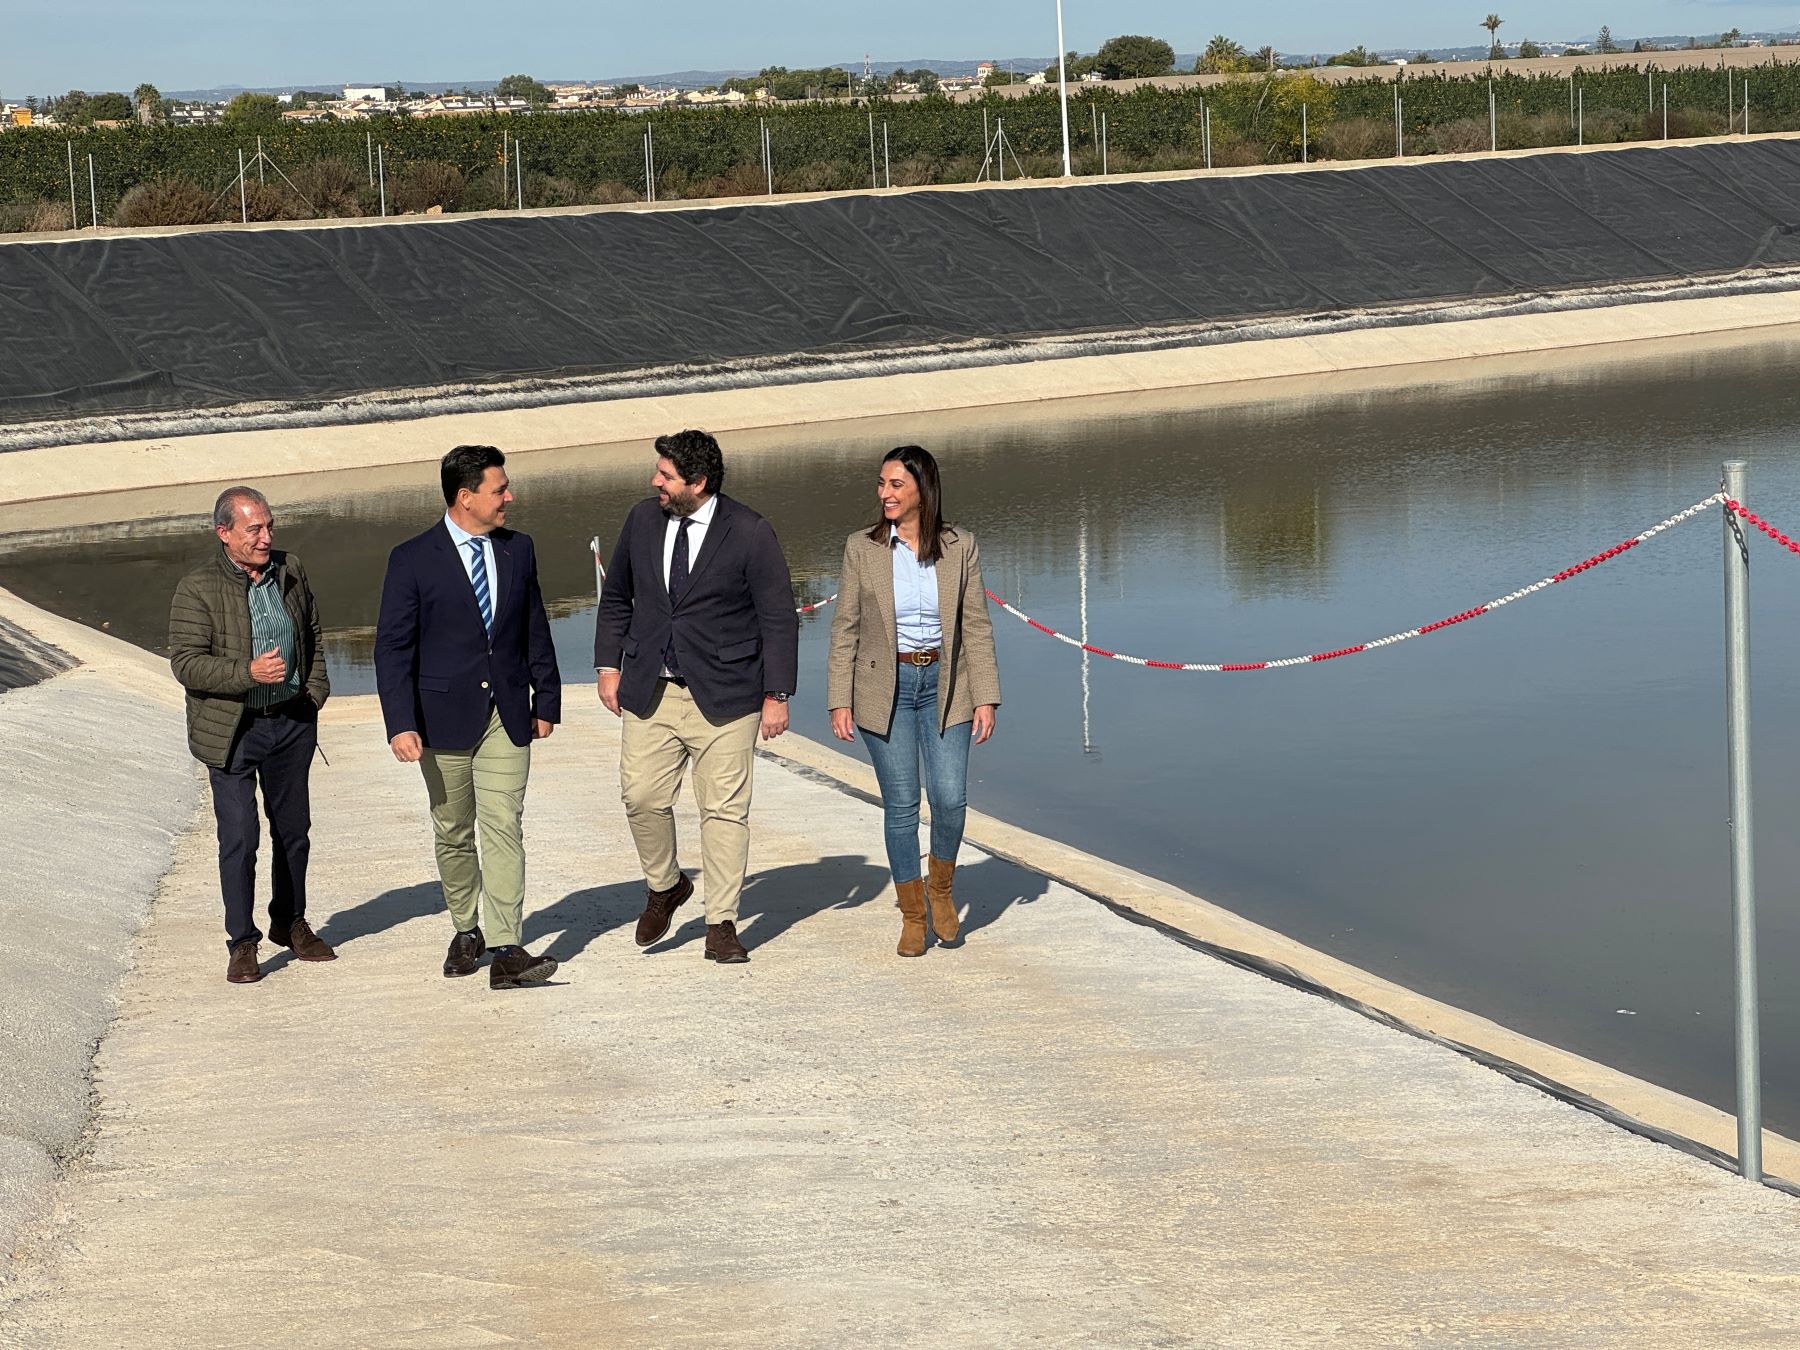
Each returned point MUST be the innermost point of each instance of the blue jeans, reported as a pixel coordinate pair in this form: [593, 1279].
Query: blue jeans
[913, 737]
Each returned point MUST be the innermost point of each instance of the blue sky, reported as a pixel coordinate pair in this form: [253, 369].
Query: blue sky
[180, 44]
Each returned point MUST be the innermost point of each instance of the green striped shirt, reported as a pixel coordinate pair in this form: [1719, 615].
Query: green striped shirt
[271, 627]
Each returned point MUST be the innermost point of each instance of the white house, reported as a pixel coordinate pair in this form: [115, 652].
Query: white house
[364, 93]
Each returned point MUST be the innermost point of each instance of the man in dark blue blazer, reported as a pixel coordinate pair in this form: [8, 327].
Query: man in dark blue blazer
[467, 678]
[697, 648]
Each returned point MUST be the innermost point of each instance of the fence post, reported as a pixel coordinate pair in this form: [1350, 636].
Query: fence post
[1304, 153]
[873, 183]
[243, 188]
[74, 210]
[887, 158]
[1103, 146]
[1493, 121]
[1207, 108]
[261, 176]
[371, 136]
[94, 194]
[381, 176]
[1743, 858]
[1665, 110]
[1581, 117]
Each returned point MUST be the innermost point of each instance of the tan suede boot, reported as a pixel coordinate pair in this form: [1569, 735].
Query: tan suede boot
[910, 897]
[943, 903]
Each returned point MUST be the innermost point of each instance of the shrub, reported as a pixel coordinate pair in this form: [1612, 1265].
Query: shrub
[611, 193]
[261, 201]
[426, 183]
[331, 186]
[164, 201]
[1356, 138]
[33, 217]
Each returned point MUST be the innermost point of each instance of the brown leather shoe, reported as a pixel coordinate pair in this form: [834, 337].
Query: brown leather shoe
[943, 901]
[722, 944]
[306, 945]
[910, 897]
[466, 951]
[243, 967]
[515, 967]
[659, 910]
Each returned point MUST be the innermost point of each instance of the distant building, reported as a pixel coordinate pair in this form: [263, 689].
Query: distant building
[19, 117]
[364, 93]
[982, 71]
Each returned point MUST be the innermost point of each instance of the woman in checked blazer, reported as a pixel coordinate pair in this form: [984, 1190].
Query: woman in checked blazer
[912, 664]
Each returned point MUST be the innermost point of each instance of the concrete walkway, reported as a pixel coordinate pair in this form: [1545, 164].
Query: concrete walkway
[1072, 1130]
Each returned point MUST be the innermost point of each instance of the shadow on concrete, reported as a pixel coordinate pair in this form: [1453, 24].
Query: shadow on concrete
[388, 910]
[581, 916]
[987, 889]
[774, 902]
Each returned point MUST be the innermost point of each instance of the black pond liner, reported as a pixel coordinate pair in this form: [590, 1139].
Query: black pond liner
[1293, 979]
[26, 661]
[284, 321]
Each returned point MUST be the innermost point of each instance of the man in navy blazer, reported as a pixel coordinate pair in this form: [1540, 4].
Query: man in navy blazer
[467, 677]
[697, 648]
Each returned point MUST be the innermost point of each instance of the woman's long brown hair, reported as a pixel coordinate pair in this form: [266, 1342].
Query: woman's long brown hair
[917, 461]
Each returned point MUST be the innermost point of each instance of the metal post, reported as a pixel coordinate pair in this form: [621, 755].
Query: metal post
[1094, 118]
[1206, 109]
[1743, 875]
[371, 136]
[1103, 146]
[1493, 121]
[769, 158]
[887, 158]
[1571, 100]
[74, 210]
[1730, 103]
[1304, 149]
[261, 178]
[1000, 145]
[873, 181]
[243, 188]
[381, 176]
[1399, 127]
[94, 195]
[519, 170]
[650, 150]
[1087, 725]
[1062, 91]
[987, 133]
[1665, 110]
[1746, 107]
[1581, 117]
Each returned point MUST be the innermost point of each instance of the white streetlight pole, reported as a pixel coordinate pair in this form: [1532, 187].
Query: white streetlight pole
[1062, 86]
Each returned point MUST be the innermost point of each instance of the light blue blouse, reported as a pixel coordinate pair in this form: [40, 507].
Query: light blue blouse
[915, 598]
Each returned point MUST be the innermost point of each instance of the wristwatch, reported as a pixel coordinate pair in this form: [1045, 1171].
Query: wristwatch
[779, 698]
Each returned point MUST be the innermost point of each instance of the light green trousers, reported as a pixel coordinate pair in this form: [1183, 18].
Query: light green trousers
[485, 788]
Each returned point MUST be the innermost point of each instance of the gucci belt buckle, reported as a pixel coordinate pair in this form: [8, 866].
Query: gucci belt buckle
[921, 658]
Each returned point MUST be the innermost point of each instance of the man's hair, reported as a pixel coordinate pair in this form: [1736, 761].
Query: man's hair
[465, 467]
[225, 508]
[695, 455]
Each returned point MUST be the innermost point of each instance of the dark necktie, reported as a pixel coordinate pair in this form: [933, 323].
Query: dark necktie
[678, 579]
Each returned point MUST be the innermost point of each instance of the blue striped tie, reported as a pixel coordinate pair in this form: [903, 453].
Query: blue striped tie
[480, 577]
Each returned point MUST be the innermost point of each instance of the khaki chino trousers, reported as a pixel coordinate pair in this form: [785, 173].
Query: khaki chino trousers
[653, 751]
[483, 787]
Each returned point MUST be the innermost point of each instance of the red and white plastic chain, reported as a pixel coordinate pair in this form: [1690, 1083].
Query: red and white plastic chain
[802, 609]
[1316, 657]
[1738, 508]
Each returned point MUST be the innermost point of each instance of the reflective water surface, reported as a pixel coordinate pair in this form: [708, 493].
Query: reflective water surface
[1522, 815]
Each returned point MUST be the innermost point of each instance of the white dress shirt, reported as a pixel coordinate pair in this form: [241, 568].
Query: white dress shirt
[461, 537]
[701, 518]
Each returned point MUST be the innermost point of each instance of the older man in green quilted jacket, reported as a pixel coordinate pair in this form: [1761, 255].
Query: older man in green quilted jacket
[244, 641]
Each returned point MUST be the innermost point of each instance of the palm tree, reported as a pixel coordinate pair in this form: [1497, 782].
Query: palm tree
[1221, 56]
[1492, 24]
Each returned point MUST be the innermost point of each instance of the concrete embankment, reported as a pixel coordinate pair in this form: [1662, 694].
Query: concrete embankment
[96, 784]
[1363, 360]
[1071, 1129]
